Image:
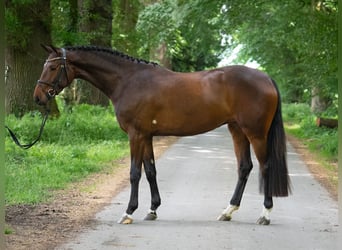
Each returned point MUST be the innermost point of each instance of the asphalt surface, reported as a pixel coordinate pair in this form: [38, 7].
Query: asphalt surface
[196, 177]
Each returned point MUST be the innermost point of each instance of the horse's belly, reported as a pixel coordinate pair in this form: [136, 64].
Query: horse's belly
[188, 124]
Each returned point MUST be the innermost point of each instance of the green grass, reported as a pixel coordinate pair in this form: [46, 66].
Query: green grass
[8, 230]
[76, 144]
[301, 123]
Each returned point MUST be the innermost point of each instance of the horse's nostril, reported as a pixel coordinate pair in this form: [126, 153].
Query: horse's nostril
[36, 99]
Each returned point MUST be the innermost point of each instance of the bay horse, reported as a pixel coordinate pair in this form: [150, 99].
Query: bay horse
[150, 101]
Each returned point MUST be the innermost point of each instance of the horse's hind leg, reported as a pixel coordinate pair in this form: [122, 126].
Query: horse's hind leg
[151, 173]
[243, 155]
[260, 149]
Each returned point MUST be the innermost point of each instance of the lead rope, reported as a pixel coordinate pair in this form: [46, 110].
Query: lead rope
[27, 146]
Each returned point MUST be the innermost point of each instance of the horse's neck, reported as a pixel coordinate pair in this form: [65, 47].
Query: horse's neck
[104, 75]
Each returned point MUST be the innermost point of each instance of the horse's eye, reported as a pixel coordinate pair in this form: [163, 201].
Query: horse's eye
[53, 67]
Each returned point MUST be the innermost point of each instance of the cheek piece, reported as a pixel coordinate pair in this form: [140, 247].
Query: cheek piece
[56, 84]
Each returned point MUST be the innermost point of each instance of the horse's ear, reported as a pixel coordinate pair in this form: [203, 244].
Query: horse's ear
[49, 48]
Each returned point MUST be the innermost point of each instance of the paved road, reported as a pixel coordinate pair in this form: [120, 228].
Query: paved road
[197, 176]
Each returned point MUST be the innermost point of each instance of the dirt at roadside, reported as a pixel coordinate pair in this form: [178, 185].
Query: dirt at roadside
[44, 226]
[327, 178]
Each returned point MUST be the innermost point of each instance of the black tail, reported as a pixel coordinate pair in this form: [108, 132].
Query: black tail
[276, 177]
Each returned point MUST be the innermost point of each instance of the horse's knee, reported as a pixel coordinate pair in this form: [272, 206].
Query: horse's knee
[135, 175]
[151, 175]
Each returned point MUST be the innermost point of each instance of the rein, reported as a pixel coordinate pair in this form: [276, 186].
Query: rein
[27, 146]
[50, 94]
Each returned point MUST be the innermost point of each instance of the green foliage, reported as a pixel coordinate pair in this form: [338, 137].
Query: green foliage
[200, 24]
[301, 123]
[65, 30]
[125, 37]
[295, 42]
[8, 230]
[189, 29]
[13, 27]
[80, 142]
[20, 16]
[156, 25]
[296, 113]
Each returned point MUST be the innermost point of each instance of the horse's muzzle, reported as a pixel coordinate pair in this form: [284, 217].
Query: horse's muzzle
[37, 100]
[40, 101]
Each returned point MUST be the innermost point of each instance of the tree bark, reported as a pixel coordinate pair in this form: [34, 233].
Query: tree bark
[24, 62]
[318, 102]
[160, 54]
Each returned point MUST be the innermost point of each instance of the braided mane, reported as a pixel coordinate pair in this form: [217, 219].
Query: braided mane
[110, 52]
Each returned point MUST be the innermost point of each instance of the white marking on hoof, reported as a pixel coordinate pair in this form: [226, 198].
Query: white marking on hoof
[264, 217]
[151, 215]
[263, 221]
[227, 213]
[126, 219]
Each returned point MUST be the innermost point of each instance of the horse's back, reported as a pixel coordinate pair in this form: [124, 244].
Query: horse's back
[171, 103]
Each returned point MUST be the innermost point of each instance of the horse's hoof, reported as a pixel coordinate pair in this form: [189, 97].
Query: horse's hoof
[126, 219]
[224, 217]
[151, 216]
[227, 213]
[263, 221]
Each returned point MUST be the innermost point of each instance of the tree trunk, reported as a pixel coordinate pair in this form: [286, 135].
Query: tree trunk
[160, 54]
[24, 63]
[318, 103]
[126, 14]
[69, 95]
[97, 21]
[326, 122]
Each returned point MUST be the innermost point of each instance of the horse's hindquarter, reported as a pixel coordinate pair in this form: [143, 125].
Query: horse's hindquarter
[254, 98]
[188, 103]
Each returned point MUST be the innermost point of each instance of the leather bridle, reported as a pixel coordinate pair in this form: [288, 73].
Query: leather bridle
[56, 84]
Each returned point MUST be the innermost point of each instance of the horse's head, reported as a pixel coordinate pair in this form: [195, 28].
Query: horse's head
[56, 75]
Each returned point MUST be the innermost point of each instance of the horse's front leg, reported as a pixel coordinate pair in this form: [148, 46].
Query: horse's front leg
[137, 152]
[151, 174]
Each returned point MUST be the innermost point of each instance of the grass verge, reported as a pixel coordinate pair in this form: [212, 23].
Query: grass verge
[322, 142]
[76, 144]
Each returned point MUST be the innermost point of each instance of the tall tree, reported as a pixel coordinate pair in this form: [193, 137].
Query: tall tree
[125, 17]
[96, 20]
[82, 22]
[189, 32]
[27, 25]
[295, 42]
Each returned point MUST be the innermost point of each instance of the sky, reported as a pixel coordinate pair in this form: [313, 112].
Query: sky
[229, 59]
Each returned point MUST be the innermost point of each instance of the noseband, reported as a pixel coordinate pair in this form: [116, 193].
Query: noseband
[55, 85]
